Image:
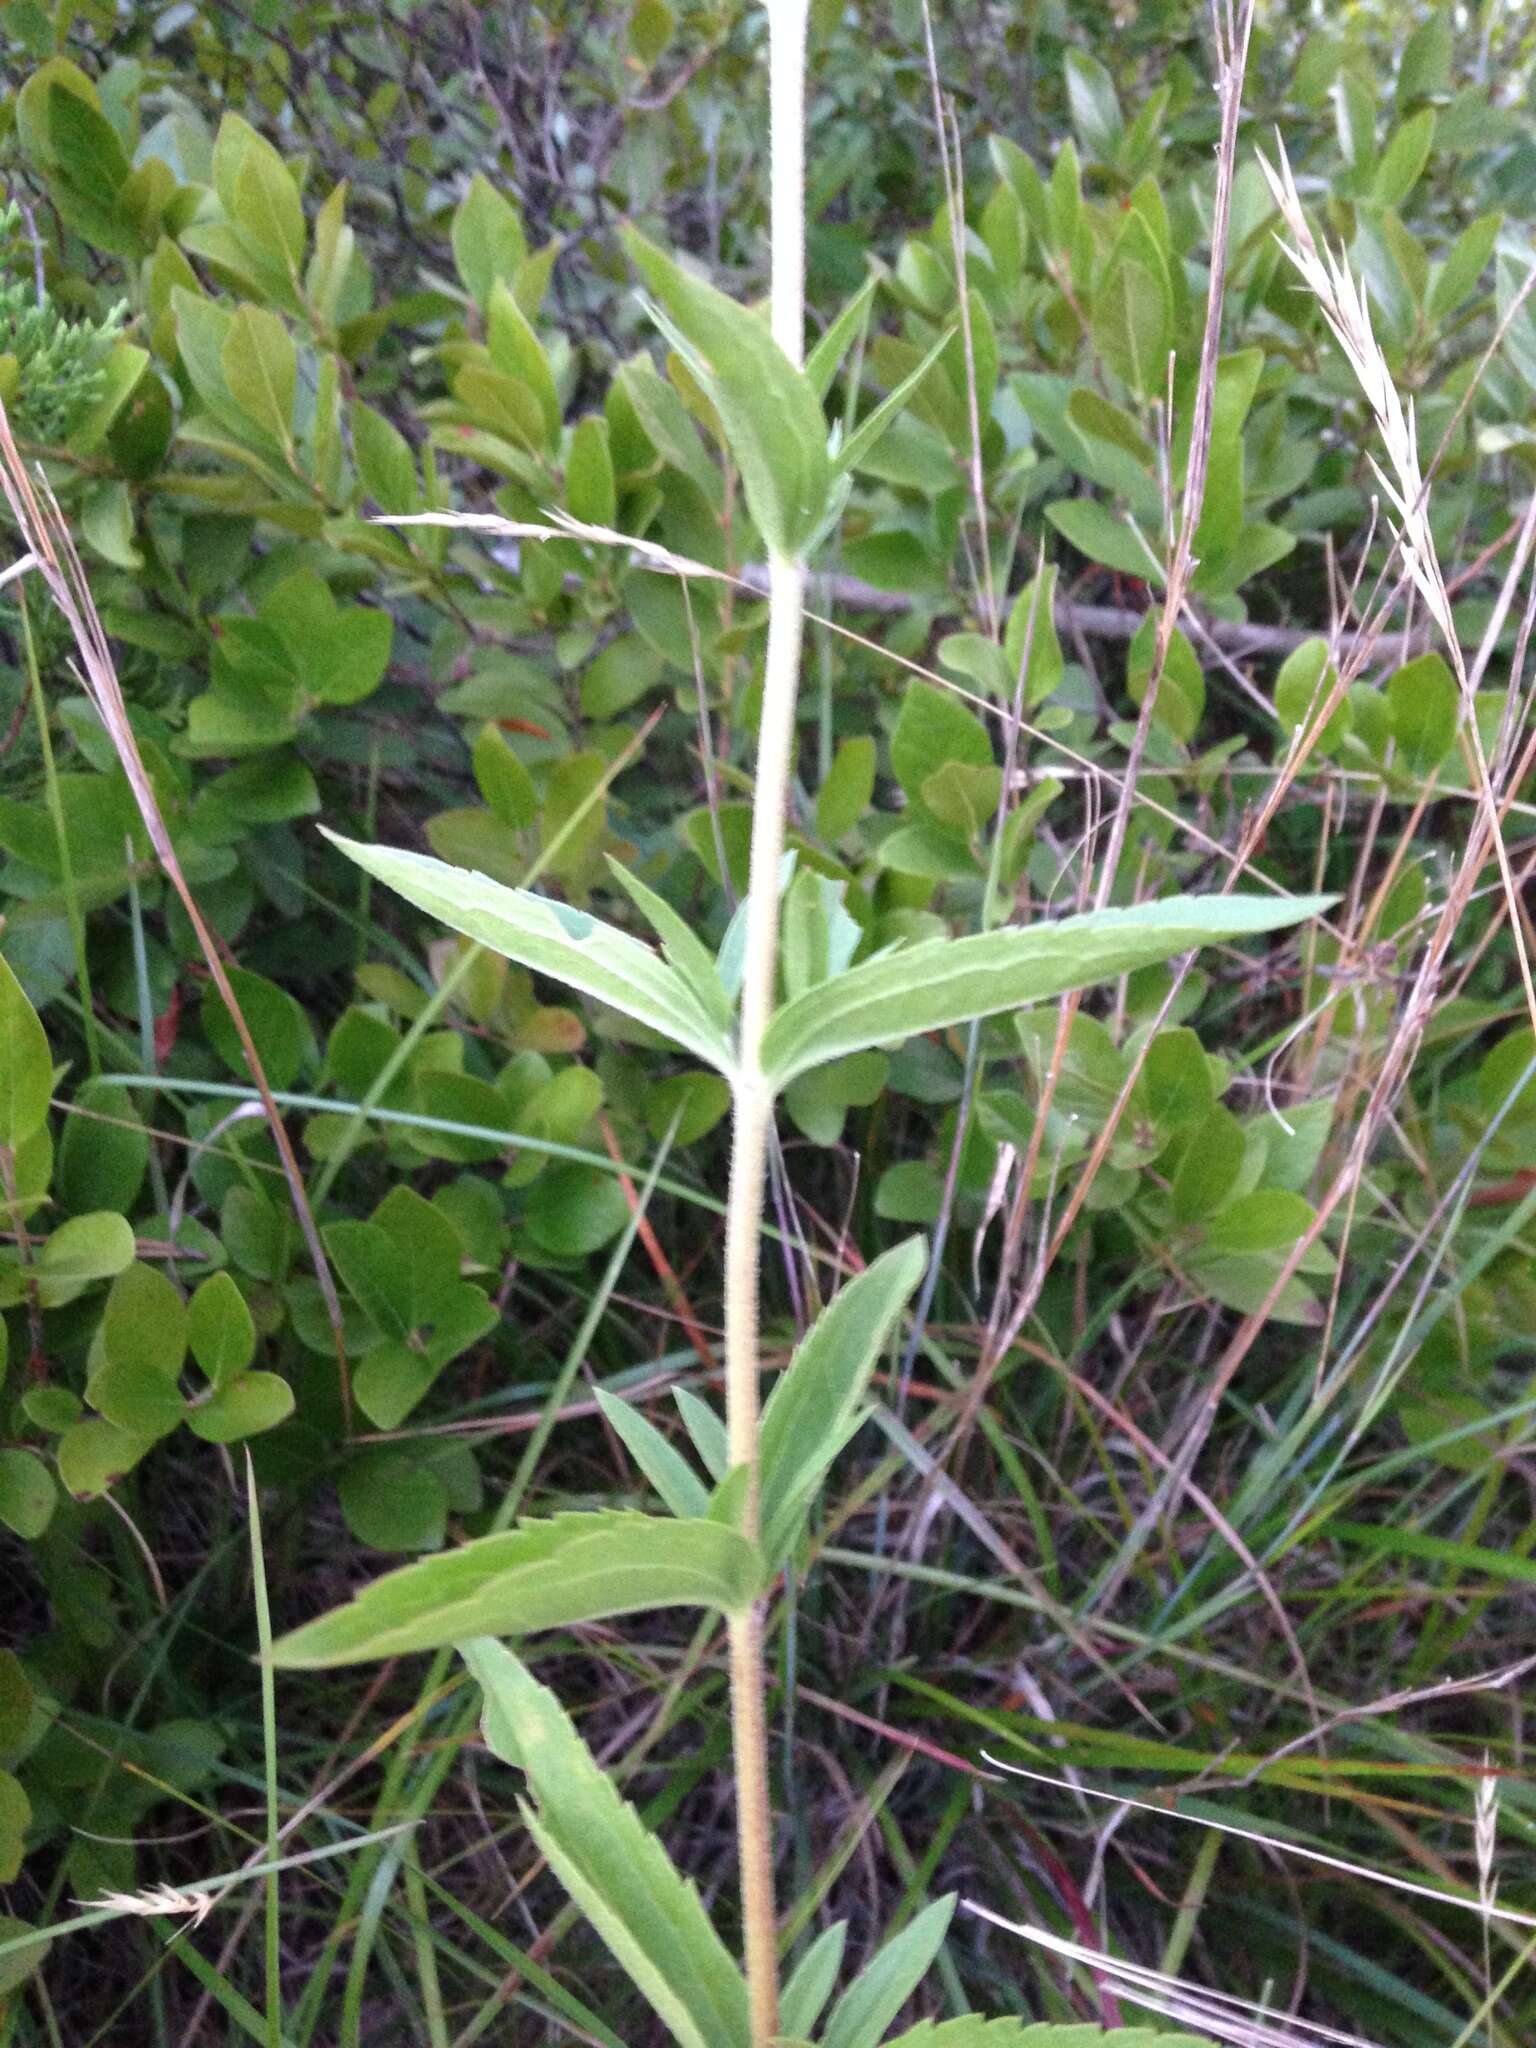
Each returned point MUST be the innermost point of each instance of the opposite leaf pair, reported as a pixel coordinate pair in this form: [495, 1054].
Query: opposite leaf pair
[894, 995]
[583, 1567]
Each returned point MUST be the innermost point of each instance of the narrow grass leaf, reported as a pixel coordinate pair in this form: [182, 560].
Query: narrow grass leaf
[974, 2032]
[1467, 1557]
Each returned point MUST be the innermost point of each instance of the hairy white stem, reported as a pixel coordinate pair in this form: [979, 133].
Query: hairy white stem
[752, 1122]
[752, 1117]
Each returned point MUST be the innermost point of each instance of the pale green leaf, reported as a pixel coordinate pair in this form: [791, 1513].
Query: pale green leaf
[266, 208]
[706, 1432]
[385, 465]
[590, 494]
[617, 1873]
[90, 1247]
[261, 370]
[860, 2017]
[552, 939]
[1453, 279]
[814, 1406]
[144, 1323]
[770, 413]
[671, 1475]
[1103, 536]
[247, 1406]
[822, 364]
[1094, 107]
[810, 1983]
[539, 1575]
[1403, 159]
[26, 1067]
[861, 442]
[94, 1454]
[845, 796]
[488, 239]
[944, 982]
[682, 945]
[1031, 642]
[1132, 326]
[517, 352]
[27, 1493]
[1425, 707]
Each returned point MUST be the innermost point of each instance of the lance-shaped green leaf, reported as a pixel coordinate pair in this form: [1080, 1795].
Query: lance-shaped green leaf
[861, 441]
[943, 982]
[810, 1983]
[668, 1471]
[769, 409]
[544, 1574]
[860, 2017]
[974, 2032]
[825, 359]
[706, 1432]
[684, 949]
[814, 1409]
[616, 1872]
[26, 1066]
[553, 939]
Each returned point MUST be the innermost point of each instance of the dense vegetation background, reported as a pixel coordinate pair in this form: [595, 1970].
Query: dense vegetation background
[1208, 1470]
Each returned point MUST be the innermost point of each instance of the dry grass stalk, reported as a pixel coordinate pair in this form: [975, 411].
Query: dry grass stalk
[1383, 1087]
[48, 539]
[1232, 27]
[1225, 2018]
[1485, 1829]
[1347, 311]
[1168, 1811]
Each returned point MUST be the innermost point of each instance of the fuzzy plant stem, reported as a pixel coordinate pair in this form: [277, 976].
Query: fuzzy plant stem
[751, 1124]
[752, 1109]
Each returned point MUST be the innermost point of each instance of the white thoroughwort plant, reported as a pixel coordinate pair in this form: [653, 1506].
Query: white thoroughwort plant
[723, 1545]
